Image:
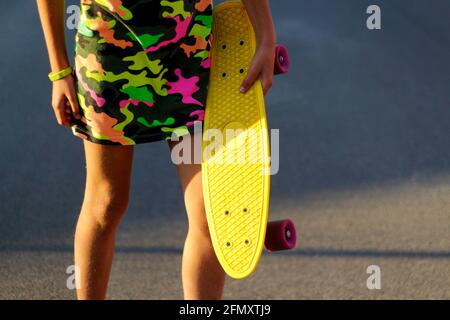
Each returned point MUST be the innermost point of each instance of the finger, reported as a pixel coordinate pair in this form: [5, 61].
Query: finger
[74, 106]
[251, 77]
[60, 110]
[266, 79]
[68, 111]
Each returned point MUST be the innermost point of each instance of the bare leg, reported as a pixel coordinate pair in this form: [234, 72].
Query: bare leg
[108, 171]
[203, 277]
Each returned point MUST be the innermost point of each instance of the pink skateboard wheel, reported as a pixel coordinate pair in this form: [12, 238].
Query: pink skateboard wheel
[280, 235]
[282, 61]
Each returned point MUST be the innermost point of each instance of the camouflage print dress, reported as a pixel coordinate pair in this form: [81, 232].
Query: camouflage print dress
[142, 69]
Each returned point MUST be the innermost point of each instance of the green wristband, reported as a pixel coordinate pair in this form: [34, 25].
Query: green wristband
[53, 76]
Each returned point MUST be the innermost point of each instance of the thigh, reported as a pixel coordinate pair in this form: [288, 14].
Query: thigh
[108, 169]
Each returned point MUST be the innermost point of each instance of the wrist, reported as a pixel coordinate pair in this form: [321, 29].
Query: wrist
[266, 39]
[266, 43]
[60, 74]
[59, 67]
[59, 63]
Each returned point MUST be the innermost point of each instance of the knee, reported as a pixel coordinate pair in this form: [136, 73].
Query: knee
[200, 230]
[106, 207]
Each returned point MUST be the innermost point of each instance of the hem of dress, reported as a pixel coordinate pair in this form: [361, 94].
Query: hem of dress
[84, 135]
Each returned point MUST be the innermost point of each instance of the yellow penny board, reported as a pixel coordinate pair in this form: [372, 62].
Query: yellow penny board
[235, 146]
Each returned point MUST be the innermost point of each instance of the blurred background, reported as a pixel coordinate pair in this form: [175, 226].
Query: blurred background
[364, 119]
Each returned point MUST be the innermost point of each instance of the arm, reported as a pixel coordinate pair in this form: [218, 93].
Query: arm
[264, 59]
[51, 14]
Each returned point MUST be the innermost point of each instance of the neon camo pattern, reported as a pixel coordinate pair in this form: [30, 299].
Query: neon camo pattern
[142, 69]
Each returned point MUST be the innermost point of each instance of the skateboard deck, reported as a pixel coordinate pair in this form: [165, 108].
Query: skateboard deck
[235, 166]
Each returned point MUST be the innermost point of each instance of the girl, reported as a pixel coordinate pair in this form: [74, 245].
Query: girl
[140, 75]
